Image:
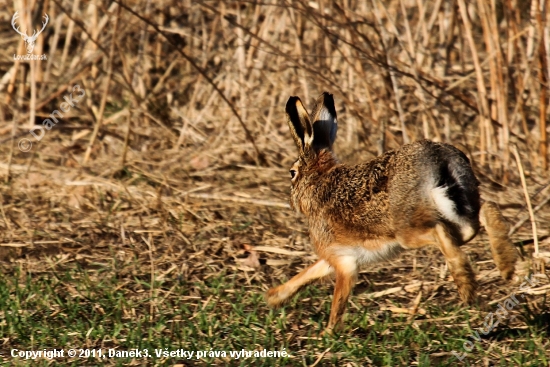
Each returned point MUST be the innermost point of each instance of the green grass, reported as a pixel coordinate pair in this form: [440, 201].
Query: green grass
[98, 308]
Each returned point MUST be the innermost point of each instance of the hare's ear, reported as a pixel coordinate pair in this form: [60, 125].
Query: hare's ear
[324, 122]
[299, 123]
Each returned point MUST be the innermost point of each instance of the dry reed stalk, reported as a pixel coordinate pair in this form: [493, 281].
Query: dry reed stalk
[99, 118]
[528, 81]
[53, 49]
[39, 45]
[393, 78]
[262, 59]
[10, 156]
[502, 88]
[542, 120]
[414, 65]
[69, 34]
[532, 29]
[252, 50]
[522, 88]
[429, 27]
[527, 200]
[93, 18]
[35, 75]
[158, 45]
[547, 40]
[493, 85]
[20, 103]
[137, 75]
[515, 56]
[448, 20]
[242, 67]
[482, 91]
[543, 79]
[32, 105]
[323, 42]
[442, 16]
[126, 139]
[299, 51]
[13, 77]
[421, 29]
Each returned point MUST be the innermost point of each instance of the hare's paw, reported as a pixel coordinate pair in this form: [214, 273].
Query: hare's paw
[466, 283]
[333, 331]
[276, 296]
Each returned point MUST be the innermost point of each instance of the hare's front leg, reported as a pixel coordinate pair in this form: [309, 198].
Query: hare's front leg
[278, 295]
[346, 276]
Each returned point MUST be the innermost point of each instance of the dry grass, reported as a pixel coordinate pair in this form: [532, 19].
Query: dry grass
[132, 220]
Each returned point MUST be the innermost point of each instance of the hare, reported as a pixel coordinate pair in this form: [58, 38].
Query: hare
[422, 194]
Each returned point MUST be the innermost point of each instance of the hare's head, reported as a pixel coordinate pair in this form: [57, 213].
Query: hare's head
[314, 135]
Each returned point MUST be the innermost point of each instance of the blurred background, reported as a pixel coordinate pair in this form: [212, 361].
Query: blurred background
[209, 76]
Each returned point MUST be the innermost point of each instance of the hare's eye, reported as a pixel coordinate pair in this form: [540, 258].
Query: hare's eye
[292, 173]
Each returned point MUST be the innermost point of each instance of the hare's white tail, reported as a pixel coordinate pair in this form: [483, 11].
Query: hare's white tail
[455, 194]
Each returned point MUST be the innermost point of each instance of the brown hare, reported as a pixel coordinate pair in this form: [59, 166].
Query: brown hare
[422, 194]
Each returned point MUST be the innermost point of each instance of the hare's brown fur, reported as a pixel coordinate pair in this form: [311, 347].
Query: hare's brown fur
[422, 194]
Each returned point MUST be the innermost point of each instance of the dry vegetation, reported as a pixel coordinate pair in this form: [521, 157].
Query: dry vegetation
[154, 213]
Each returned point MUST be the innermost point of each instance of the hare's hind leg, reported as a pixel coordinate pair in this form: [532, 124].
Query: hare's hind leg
[278, 295]
[504, 253]
[458, 263]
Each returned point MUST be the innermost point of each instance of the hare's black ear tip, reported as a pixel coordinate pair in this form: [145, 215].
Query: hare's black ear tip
[328, 97]
[328, 101]
[291, 103]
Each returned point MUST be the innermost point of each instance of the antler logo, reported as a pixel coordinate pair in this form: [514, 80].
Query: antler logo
[29, 41]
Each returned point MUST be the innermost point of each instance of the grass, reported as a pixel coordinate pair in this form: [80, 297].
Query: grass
[79, 308]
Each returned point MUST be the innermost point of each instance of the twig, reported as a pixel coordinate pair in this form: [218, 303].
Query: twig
[320, 357]
[280, 251]
[527, 200]
[240, 200]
